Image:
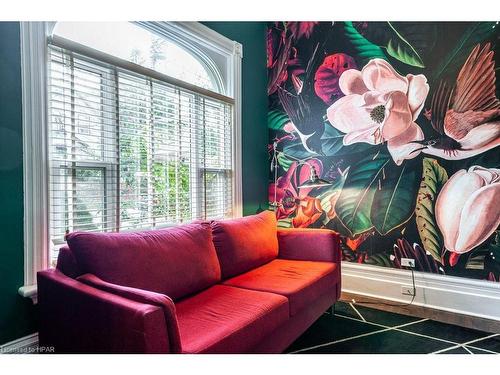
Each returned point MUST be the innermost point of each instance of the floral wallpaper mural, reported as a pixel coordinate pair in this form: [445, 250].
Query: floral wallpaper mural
[402, 120]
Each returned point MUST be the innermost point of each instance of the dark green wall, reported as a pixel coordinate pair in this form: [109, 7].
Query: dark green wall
[254, 109]
[17, 314]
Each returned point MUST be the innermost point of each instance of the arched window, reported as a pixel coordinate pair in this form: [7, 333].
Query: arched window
[139, 45]
[127, 126]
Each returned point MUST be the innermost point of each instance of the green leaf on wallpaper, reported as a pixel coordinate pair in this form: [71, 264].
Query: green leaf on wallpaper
[354, 204]
[331, 145]
[476, 33]
[404, 52]
[284, 162]
[365, 50]
[394, 200]
[276, 119]
[331, 140]
[395, 39]
[296, 149]
[433, 178]
[329, 196]
[382, 260]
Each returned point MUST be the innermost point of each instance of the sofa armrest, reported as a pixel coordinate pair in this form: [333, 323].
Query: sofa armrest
[309, 244]
[142, 296]
[78, 318]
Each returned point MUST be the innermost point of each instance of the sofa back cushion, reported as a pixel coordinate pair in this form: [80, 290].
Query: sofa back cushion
[245, 243]
[67, 264]
[176, 261]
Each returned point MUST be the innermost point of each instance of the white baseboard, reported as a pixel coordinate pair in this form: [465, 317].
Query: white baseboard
[24, 345]
[455, 294]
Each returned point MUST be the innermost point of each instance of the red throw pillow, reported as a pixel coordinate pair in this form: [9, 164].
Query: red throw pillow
[245, 243]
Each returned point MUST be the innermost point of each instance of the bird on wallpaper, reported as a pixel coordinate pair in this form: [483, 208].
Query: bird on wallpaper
[466, 115]
[306, 123]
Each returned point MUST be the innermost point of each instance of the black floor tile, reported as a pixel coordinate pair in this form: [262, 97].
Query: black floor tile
[328, 329]
[388, 342]
[492, 344]
[477, 351]
[458, 350]
[347, 323]
[345, 309]
[445, 331]
[385, 318]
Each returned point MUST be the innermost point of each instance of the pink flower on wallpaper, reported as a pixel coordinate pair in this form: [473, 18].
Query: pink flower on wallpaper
[381, 105]
[292, 200]
[467, 208]
[326, 79]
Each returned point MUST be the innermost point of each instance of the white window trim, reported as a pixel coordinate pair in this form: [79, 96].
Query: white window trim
[34, 36]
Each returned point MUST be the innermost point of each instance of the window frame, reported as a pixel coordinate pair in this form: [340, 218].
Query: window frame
[106, 165]
[210, 46]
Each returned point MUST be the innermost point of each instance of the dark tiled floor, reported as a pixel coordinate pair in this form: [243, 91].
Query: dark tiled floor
[445, 331]
[492, 344]
[372, 315]
[328, 329]
[362, 330]
[458, 350]
[475, 350]
[387, 342]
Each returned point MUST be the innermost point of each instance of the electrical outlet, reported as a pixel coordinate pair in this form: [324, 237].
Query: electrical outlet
[407, 290]
[408, 262]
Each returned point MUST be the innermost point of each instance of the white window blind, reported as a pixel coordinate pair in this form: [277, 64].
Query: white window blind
[128, 151]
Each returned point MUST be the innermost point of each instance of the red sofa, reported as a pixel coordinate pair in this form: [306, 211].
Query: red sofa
[232, 286]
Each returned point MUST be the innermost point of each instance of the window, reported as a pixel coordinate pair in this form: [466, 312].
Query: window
[141, 131]
[139, 45]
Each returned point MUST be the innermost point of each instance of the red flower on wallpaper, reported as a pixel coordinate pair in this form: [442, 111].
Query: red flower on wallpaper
[292, 200]
[283, 59]
[354, 243]
[272, 40]
[278, 53]
[301, 29]
[326, 79]
[308, 211]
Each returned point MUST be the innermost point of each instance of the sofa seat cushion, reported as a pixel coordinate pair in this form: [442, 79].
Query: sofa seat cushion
[176, 261]
[300, 281]
[223, 319]
[245, 243]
